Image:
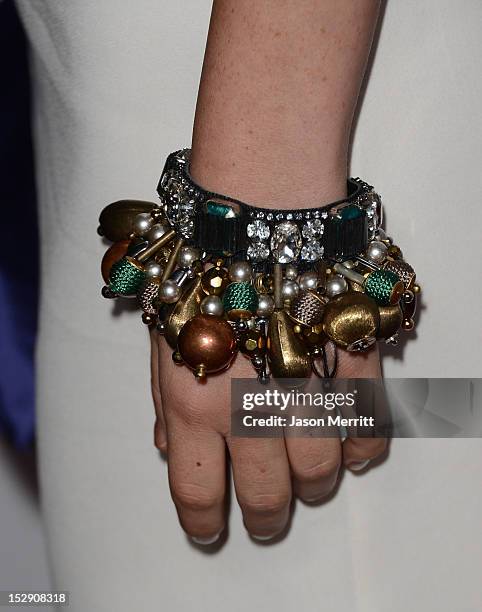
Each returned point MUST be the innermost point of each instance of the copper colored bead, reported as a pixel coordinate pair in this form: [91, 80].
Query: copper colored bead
[206, 344]
[115, 252]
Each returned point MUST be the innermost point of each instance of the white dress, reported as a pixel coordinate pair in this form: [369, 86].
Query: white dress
[115, 85]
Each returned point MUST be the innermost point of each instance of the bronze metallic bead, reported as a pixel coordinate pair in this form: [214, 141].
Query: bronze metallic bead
[408, 325]
[394, 251]
[403, 270]
[185, 308]
[215, 280]
[148, 319]
[147, 295]
[390, 320]
[416, 289]
[176, 357]
[116, 220]
[287, 354]
[115, 252]
[351, 319]
[307, 308]
[206, 344]
[264, 283]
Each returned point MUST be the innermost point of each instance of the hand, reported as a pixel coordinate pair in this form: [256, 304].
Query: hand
[193, 430]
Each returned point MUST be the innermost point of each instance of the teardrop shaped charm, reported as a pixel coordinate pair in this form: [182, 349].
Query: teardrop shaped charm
[187, 307]
[287, 355]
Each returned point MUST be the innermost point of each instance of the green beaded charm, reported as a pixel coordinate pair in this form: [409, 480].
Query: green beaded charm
[126, 276]
[240, 298]
[384, 287]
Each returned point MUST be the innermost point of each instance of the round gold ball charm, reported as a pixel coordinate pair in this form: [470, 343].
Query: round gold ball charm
[206, 344]
[351, 321]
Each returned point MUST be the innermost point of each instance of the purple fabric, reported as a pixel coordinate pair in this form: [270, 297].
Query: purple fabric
[19, 248]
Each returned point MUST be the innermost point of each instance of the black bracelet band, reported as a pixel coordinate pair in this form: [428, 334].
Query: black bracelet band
[219, 224]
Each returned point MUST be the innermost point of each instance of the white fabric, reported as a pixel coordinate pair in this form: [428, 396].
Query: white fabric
[115, 86]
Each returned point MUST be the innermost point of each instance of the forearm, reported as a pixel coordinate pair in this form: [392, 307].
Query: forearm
[278, 90]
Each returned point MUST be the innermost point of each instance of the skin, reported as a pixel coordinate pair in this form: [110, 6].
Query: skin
[279, 87]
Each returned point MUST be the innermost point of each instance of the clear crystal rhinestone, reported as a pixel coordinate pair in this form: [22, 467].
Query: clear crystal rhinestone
[312, 250]
[316, 214]
[279, 216]
[286, 242]
[289, 216]
[258, 230]
[269, 216]
[258, 251]
[298, 216]
[313, 229]
[324, 215]
[260, 215]
[186, 229]
[307, 215]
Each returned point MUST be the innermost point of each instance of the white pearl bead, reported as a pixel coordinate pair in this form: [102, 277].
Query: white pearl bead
[187, 256]
[142, 223]
[240, 271]
[156, 232]
[153, 269]
[289, 289]
[169, 292]
[309, 280]
[291, 272]
[212, 305]
[265, 305]
[376, 251]
[336, 285]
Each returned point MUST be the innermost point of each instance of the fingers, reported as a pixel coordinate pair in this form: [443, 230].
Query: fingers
[262, 482]
[160, 436]
[197, 477]
[359, 451]
[315, 463]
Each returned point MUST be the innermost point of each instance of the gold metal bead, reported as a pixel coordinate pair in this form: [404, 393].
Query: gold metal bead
[390, 320]
[351, 320]
[287, 355]
[116, 220]
[187, 306]
[215, 280]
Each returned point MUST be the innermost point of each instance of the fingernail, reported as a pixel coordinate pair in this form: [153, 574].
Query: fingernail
[358, 466]
[263, 538]
[206, 541]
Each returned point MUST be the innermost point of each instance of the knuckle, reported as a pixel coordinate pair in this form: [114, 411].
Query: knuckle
[186, 408]
[318, 471]
[194, 498]
[266, 503]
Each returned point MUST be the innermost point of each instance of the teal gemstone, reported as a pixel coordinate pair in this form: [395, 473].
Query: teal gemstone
[219, 210]
[380, 286]
[350, 212]
[240, 296]
[126, 277]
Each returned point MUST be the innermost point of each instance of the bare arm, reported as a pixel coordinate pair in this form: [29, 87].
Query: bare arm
[279, 86]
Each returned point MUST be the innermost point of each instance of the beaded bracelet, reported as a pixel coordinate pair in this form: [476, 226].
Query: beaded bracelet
[284, 288]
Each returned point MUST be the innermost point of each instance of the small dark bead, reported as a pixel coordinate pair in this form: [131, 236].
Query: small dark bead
[108, 293]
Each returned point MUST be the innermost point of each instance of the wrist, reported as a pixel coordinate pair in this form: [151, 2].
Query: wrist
[276, 179]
